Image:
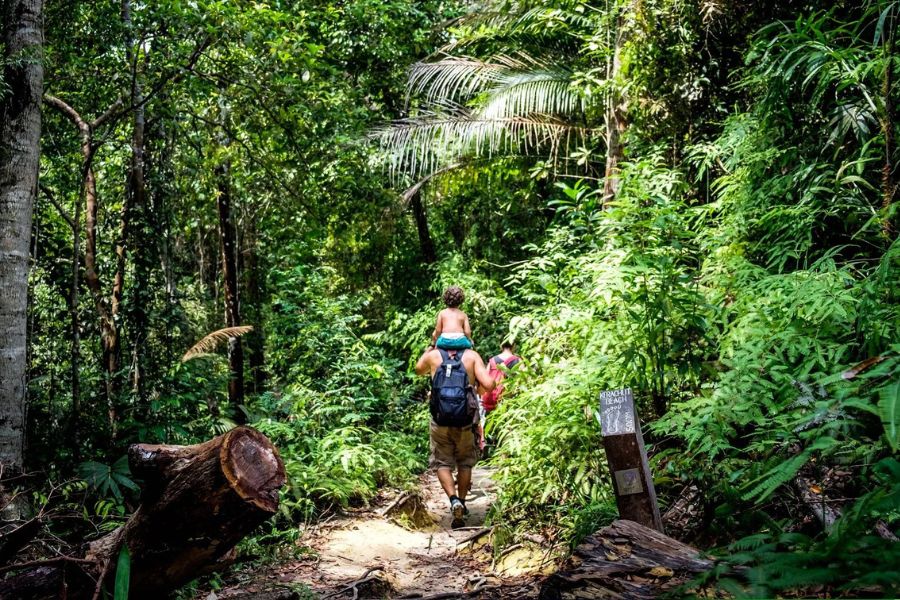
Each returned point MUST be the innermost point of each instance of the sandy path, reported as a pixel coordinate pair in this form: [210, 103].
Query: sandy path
[422, 560]
[399, 559]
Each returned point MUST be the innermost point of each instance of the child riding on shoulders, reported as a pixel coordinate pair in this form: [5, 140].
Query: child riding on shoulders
[452, 331]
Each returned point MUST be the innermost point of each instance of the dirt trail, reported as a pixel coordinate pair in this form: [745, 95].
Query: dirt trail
[369, 554]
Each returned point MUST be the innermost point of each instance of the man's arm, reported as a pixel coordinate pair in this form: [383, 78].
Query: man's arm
[485, 380]
[423, 365]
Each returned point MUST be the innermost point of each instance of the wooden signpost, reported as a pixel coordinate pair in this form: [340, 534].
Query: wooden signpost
[627, 459]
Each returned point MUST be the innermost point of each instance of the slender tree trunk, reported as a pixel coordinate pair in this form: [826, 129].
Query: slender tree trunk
[20, 133]
[74, 222]
[74, 300]
[615, 114]
[137, 188]
[425, 242]
[109, 333]
[888, 185]
[135, 197]
[74, 306]
[254, 301]
[228, 242]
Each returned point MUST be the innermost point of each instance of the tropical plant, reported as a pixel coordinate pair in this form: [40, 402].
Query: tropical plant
[514, 101]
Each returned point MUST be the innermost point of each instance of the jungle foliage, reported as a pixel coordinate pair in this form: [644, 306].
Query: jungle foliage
[691, 198]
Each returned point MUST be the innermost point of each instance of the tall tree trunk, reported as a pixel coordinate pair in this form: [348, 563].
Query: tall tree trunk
[135, 196]
[615, 114]
[109, 333]
[228, 242]
[253, 295]
[75, 321]
[425, 242]
[74, 222]
[888, 186]
[20, 133]
[137, 189]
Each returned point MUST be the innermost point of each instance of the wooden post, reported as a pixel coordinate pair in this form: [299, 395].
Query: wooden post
[627, 459]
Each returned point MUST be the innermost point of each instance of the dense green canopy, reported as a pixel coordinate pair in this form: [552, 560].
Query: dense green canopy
[695, 199]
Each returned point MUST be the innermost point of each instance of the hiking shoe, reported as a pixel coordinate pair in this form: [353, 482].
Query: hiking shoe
[458, 510]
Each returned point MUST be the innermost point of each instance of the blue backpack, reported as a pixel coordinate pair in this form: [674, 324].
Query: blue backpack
[451, 405]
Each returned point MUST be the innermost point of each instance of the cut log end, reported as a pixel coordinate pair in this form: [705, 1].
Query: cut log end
[253, 467]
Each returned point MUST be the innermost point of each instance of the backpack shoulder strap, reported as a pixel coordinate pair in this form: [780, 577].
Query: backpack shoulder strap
[445, 356]
[511, 361]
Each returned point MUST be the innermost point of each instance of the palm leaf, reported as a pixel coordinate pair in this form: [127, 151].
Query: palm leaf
[532, 23]
[545, 91]
[451, 78]
[422, 145]
[457, 78]
[209, 343]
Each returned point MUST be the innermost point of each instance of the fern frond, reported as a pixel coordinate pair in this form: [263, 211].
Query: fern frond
[784, 471]
[211, 341]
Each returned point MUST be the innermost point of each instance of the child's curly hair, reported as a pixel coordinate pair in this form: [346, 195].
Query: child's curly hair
[454, 296]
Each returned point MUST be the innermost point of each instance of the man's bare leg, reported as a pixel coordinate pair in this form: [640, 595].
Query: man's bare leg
[460, 487]
[463, 482]
[445, 476]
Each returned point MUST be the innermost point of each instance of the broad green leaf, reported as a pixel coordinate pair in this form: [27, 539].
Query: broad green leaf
[889, 407]
[123, 574]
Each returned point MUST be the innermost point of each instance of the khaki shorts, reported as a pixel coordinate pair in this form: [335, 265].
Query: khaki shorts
[453, 447]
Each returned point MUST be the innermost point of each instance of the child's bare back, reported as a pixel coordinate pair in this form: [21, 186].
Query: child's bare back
[451, 330]
[453, 320]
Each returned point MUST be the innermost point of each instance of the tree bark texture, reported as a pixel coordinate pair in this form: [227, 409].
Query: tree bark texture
[255, 284]
[228, 244]
[615, 116]
[888, 185]
[625, 560]
[20, 133]
[425, 241]
[198, 502]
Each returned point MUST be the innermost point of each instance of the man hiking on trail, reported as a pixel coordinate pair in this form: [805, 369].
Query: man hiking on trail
[454, 419]
[451, 329]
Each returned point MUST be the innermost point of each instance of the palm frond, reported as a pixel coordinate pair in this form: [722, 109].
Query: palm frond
[209, 342]
[421, 145]
[457, 78]
[546, 91]
[531, 23]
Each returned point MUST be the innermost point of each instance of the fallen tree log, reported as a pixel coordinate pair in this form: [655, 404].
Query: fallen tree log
[197, 503]
[625, 560]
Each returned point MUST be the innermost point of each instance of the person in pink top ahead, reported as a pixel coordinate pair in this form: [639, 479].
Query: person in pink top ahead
[498, 367]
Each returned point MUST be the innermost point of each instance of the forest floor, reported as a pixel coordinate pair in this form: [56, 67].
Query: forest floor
[402, 546]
